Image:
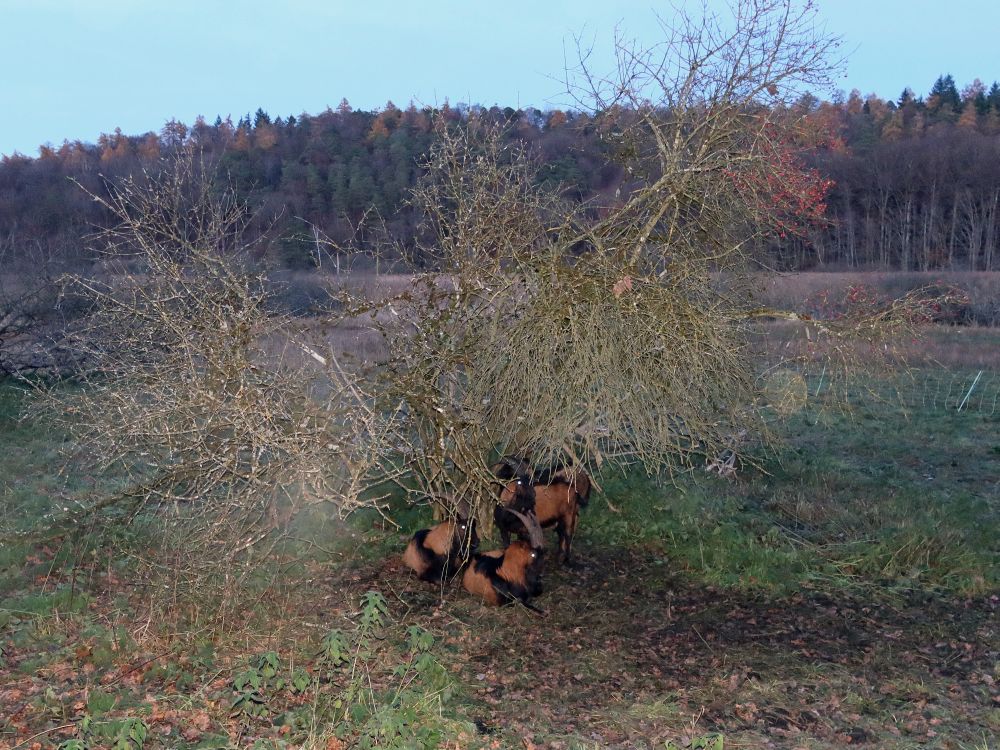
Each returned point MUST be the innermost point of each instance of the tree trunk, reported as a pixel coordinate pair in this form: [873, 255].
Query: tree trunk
[990, 238]
[953, 232]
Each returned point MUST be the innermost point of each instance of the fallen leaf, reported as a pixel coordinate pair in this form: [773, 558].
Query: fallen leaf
[621, 286]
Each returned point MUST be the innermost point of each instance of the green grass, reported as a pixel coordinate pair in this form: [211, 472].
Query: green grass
[864, 499]
[29, 458]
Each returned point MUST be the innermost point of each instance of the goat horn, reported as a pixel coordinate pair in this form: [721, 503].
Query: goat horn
[530, 521]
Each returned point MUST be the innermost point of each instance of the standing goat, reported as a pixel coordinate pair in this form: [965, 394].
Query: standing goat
[438, 553]
[558, 496]
[499, 577]
[516, 486]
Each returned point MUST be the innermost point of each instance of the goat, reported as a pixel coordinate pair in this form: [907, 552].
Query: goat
[515, 492]
[499, 577]
[510, 467]
[440, 552]
[518, 492]
[558, 496]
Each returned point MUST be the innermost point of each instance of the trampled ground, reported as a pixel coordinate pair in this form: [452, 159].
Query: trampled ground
[644, 657]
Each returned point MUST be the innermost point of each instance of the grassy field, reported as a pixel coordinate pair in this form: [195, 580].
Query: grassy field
[846, 594]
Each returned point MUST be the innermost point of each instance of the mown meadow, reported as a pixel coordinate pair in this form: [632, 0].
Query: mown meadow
[844, 592]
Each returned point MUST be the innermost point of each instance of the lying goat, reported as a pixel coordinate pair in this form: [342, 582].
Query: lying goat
[438, 553]
[500, 577]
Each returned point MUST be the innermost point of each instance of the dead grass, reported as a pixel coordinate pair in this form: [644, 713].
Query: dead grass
[944, 346]
[962, 347]
[795, 291]
[958, 348]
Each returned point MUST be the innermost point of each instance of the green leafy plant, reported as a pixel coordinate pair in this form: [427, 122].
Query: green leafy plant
[263, 676]
[335, 648]
[392, 692]
[299, 681]
[132, 735]
[119, 734]
[391, 689]
[374, 611]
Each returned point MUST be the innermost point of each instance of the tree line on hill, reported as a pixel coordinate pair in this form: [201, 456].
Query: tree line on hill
[915, 182]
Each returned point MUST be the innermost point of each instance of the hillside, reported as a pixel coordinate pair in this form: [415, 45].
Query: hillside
[914, 184]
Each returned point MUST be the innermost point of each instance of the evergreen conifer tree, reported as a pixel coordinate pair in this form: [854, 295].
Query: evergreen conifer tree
[944, 98]
[993, 97]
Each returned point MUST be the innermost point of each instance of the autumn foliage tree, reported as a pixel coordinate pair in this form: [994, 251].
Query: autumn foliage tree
[329, 168]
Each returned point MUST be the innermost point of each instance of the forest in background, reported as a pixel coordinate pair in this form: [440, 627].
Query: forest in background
[914, 183]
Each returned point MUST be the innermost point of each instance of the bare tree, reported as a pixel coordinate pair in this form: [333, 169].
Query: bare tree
[621, 333]
[33, 315]
[220, 420]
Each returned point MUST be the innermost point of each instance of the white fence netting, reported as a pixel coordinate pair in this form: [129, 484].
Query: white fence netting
[926, 389]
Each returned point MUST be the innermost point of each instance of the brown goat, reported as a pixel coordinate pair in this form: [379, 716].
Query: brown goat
[500, 577]
[558, 497]
[439, 552]
[515, 486]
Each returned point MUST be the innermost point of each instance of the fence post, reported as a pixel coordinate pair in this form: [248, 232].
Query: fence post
[971, 387]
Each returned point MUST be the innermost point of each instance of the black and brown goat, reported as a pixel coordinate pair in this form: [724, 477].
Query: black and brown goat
[439, 553]
[515, 489]
[500, 577]
[558, 496]
[512, 467]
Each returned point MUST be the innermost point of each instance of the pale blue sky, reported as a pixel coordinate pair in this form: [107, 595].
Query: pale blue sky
[76, 68]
